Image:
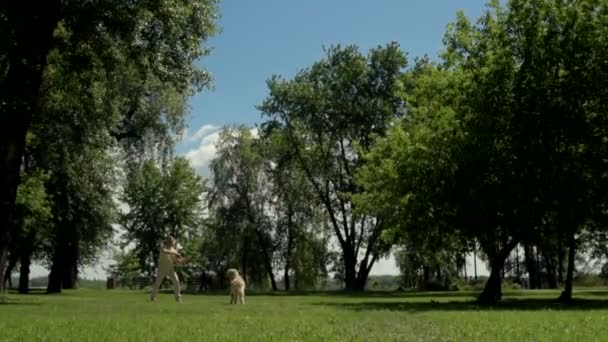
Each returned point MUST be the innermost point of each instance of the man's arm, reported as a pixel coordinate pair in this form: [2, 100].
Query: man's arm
[172, 252]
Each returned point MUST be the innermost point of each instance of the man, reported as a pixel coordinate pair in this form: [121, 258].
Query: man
[168, 258]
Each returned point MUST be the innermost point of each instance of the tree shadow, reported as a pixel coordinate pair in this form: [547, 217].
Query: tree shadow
[509, 304]
[349, 294]
[13, 301]
[32, 292]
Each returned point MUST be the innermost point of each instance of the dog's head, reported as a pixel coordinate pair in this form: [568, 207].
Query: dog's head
[232, 273]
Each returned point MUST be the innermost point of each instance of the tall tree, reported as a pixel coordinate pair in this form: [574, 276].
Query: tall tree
[240, 189]
[162, 202]
[330, 112]
[295, 212]
[83, 211]
[537, 74]
[152, 41]
[33, 216]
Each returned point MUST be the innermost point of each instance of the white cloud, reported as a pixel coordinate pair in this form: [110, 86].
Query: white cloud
[201, 156]
[201, 133]
[255, 132]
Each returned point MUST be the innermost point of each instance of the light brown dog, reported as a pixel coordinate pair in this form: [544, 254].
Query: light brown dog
[237, 286]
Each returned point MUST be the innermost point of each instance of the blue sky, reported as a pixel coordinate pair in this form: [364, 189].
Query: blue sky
[265, 37]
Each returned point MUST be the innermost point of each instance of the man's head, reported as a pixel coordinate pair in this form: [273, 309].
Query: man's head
[170, 242]
[232, 273]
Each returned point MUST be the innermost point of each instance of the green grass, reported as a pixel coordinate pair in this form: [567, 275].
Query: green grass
[99, 315]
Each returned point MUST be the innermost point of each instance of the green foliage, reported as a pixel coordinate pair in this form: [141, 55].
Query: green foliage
[240, 201]
[502, 143]
[126, 269]
[81, 76]
[329, 113]
[162, 202]
[33, 204]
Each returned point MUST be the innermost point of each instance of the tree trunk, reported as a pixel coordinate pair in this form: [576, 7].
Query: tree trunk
[267, 259]
[70, 276]
[55, 278]
[70, 261]
[517, 270]
[24, 271]
[492, 292]
[530, 265]
[244, 257]
[539, 271]
[3, 261]
[426, 277]
[475, 260]
[12, 262]
[551, 271]
[25, 260]
[273, 281]
[566, 295]
[290, 240]
[286, 276]
[350, 272]
[560, 261]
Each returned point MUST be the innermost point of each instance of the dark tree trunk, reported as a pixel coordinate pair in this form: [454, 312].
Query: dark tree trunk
[268, 262]
[286, 279]
[12, 262]
[350, 272]
[32, 28]
[426, 277]
[24, 271]
[560, 261]
[70, 276]
[267, 259]
[566, 295]
[55, 278]
[517, 270]
[551, 272]
[70, 266]
[539, 271]
[288, 252]
[475, 260]
[492, 292]
[244, 257]
[464, 260]
[3, 260]
[25, 260]
[364, 269]
[531, 266]
[64, 270]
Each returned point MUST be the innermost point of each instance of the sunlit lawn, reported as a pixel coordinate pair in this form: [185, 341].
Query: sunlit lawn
[100, 315]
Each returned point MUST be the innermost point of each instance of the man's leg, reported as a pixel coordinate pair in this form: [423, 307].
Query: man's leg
[159, 280]
[176, 289]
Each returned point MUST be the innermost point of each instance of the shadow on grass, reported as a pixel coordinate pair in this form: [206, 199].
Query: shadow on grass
[366, 294]
[13, 301]
[36, 291]
[509, 304]
[403, 294]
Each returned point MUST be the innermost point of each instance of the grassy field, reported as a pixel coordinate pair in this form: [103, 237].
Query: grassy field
[99, 315]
